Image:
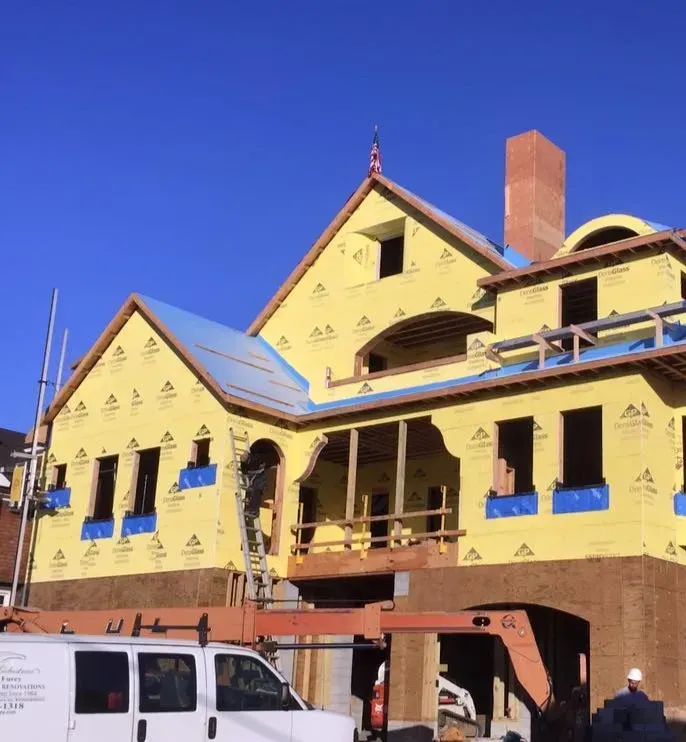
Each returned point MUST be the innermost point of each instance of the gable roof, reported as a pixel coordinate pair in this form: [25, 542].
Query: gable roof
[483, 246]
[239, 369]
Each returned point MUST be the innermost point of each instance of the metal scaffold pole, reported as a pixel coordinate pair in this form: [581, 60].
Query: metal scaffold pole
[33, 459]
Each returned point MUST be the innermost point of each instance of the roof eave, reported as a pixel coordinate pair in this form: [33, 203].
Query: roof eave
[521, 380]
[667, 238]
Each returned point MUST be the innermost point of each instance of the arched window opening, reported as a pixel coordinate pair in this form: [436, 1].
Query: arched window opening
[268, 452]
[605, 237]
[426, 339]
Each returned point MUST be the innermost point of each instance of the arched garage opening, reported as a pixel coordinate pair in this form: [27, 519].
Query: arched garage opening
[480, 665]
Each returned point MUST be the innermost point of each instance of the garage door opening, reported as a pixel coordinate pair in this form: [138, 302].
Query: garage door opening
[480, 666]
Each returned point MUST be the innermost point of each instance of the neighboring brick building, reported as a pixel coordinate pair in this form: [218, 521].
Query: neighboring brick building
[454, 424]
[10, 440]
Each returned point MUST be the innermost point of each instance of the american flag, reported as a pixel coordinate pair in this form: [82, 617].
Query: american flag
[375, 155]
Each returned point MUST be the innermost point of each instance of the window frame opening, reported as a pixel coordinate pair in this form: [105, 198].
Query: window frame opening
[574, 309]
[142, 501]
[58, 478]
[307, 504]
[274, 459]
[514, 457]
[391, 256]
[579, 432]
[102, 508]
[200, 453]
[376, 363]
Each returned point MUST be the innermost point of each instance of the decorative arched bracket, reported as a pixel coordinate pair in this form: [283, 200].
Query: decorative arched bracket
[317, 447]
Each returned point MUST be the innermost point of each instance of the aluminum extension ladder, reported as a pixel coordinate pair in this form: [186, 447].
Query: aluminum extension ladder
[258, 579]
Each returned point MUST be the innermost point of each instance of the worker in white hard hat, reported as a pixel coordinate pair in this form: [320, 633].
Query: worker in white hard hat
[631, 692]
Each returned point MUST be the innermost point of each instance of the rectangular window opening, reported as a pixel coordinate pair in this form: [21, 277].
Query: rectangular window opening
[579, 304]
[104, 487]
[683, 285]
[379, 528]
[168, 683]
[582, 447]
[308, 503]
[102, 682]
[392, 255]
[515, 462]
[434, 502]
[201, 453]
[146, 481]
[376, 363]
[59, 477]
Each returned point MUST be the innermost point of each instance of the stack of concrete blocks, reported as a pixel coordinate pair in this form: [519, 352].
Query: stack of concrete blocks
[618, 721]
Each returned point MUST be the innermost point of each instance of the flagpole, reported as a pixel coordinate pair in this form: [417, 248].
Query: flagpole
[375, 155]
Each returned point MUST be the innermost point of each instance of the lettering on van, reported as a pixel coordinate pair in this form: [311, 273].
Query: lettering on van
[19, 684]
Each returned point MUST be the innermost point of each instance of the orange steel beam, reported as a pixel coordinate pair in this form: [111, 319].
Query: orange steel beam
[248, 624]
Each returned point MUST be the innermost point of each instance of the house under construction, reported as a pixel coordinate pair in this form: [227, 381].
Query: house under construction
[449, 424]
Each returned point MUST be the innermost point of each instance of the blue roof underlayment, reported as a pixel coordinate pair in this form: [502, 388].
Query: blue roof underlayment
[265, 381]
[508, 253]
[272, 382]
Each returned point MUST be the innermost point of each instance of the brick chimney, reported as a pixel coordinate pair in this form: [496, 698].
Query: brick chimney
[534, 195]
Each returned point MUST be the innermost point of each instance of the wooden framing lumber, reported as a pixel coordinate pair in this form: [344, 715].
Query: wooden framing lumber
[400, 478]
[352, 485]
[661, 324]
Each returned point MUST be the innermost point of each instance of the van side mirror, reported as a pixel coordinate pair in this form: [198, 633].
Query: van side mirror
[285, 696]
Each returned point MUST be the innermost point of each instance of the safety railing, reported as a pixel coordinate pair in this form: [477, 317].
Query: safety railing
[365, 540]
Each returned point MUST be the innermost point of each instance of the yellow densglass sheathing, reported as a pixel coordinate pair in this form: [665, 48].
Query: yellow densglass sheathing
[639, 464]
[339, 305]
[139, 395]
[636, 284]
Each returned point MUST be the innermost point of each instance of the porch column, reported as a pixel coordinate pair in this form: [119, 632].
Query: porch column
[400, 480]
[352, 486]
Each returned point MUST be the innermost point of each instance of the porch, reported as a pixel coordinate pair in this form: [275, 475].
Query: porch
[378, 499]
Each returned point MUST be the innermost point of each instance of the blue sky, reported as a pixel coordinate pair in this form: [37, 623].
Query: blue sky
[193, 151]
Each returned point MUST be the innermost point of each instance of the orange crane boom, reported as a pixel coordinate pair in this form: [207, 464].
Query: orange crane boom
[247, 625]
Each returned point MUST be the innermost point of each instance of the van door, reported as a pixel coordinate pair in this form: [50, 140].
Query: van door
[101, 699]
[244, 699]
[170, 688]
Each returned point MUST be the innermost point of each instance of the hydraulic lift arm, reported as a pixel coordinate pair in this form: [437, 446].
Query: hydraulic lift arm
[248, 624]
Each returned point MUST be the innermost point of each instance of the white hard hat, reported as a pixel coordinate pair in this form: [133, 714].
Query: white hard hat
[635, 674]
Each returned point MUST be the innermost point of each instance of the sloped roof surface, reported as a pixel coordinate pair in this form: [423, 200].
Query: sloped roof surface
[509, 253]
[245, 367]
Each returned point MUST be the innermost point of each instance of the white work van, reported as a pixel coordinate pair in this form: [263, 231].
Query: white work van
[69, 688]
